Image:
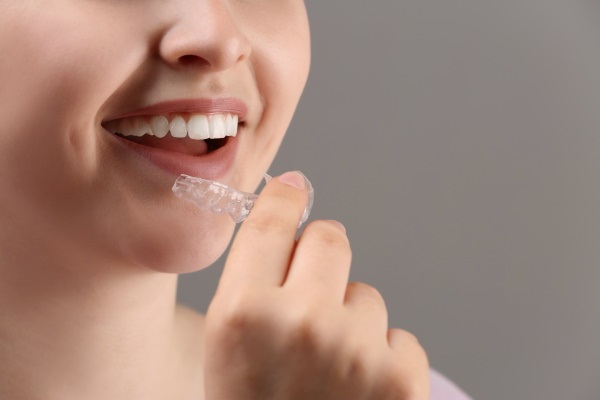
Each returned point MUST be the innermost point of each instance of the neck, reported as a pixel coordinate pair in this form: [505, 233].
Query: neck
[73, 328]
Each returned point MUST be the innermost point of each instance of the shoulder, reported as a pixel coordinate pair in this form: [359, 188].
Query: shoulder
[444, 389]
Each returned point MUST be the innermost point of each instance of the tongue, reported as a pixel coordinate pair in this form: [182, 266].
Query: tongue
[178, 145]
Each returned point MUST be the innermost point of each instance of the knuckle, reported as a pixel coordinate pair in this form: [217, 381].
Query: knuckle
[408, 337]
[408, 381]
[357, 367]
[410, 345]
[400, 338]
[303, 337]
[235, 319]
[327, 235]
[236, 314]
[366, 293]
[305, 331]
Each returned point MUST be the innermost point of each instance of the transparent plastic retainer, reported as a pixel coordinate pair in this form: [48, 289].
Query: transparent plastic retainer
[222, 199]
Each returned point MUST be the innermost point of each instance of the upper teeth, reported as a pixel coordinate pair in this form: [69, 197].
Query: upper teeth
[197, 126]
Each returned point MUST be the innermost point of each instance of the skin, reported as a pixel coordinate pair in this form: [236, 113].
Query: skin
[88, 273]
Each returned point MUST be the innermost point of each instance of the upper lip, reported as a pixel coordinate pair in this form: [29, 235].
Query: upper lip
[224, 105]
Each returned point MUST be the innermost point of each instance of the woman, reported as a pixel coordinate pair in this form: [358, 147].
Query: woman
[103, 104]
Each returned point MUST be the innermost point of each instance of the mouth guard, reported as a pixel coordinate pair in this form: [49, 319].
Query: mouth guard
[222, 199]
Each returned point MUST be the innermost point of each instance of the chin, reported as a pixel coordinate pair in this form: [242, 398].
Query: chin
[183, 253]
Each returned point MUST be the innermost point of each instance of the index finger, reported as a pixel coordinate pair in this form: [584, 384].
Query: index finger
[263, 247]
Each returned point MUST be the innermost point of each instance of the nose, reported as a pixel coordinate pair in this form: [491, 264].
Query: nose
[206, 35]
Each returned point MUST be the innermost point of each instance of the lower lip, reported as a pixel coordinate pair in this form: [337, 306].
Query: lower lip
[213, 165]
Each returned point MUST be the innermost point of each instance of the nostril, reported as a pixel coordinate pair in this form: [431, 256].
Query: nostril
[191, 60]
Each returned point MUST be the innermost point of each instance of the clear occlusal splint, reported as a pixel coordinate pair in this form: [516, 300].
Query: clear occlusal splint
[222, 199]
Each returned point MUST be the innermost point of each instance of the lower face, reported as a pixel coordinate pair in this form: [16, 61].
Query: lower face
[71, 70]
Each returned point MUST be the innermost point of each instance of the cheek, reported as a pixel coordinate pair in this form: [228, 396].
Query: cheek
[46, 121]
[282, 64]
[281, 68]
[53, 61]
[58, 73]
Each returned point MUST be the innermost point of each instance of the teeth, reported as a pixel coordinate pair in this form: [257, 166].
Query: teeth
[159, 126]
[229, 125]
[141, 127]
[198, 127]
[126, 125]
[217, 127]
[234, 127]
[178, 127]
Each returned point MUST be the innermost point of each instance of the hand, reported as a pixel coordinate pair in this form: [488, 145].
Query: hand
[286, 325]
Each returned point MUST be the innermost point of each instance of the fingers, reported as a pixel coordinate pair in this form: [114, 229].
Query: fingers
[406, 344]
[350, 335]
[410, 362]
[321, 263]
[369, 308]
[263, 247]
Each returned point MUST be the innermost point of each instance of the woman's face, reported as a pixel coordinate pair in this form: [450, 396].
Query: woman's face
[73, 70]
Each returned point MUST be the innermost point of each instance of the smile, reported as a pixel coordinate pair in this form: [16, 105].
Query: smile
[194, 137]
[193, 134]
[196, 126]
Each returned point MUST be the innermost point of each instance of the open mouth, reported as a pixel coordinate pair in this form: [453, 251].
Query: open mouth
[190, 134]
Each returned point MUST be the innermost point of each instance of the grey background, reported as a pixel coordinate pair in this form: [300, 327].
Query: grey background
[459, 142]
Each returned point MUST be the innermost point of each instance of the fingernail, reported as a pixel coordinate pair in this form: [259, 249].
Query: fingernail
[339, 224]
[294, 179]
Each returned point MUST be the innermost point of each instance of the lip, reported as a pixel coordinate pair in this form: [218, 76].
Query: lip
[225, 105]
[213, 165]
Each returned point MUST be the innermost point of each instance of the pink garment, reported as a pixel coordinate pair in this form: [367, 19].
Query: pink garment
[444, 389]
